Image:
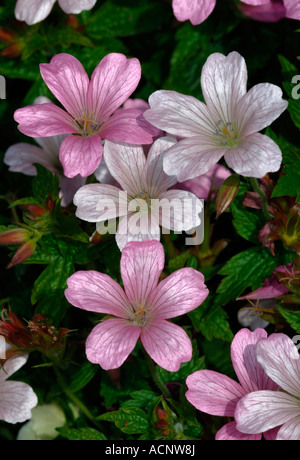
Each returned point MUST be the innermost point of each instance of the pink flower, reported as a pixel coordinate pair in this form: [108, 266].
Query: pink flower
[141, 310]
[199, 10]
[91, 109]
[217, 394]
[272, 10]
[144, 187]
[22, 156]
[16, 398]
[265, 410]
[33, 11]
[227, 125]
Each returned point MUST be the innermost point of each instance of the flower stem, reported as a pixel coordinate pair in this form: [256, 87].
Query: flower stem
[157, 380]
[263, 197]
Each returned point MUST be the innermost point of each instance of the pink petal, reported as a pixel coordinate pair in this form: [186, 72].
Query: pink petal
[260, 107]
[167, 344]
[223, 83]
[156, 179]
[213, 393]
[191, 157]
[280, 359]
[269, 12]
[44, 120]
[75, 6]
[195, 10]
[16, 401]
[178, 114]
[12, 365]
[271, 289]
[80, 155]
[68, 81]
[68, 188]
[243, 355]
[229, 433]
[127, 126]
[113, 81]
[260, 411]
[256, 156]
[293, 9]
[99, 202]
[256, 2]
[179, 210]
[290, 431]
[126, 164]
[137, 226]
[179, 293]
[111, 342]
[141, 267]
[94, 291]
[33, 11]
[20, 158]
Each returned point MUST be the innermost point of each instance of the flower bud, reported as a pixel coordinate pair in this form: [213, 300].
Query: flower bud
[227, 193]
[14, 236]
[23, 253]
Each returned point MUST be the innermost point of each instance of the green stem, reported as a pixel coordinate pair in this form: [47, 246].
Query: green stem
[74, 398]
[160, 385]
[263, 197]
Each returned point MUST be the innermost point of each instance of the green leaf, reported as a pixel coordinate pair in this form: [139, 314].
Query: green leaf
[289, 71]
[83, 376]
[143, 399]
[248, 268]
[81, 434]
[247, 222]
[48, 289]
[185, 259]
[45, 183]
[293, 318]
[131, 420]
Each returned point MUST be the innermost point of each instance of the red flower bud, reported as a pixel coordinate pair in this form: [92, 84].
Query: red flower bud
[227, 193]
[23, 253]
[14, 236]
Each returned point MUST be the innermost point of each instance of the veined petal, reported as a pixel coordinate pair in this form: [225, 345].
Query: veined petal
[280, 359]
[167, 344]
[141, 267]
[97, 292]
[21, 157]
[259, 108]
[293, 9]
[44, 120]
[260, 411]
[112, 82]
[250, 373]
[126, 164]
[12, 365]
[195, 10]
[69, 82]
[75, 6]
[179, 210]
[224, 83]
[16, 401]
[256, 156]
[178, 114]
[80, 155]
[156, 179]
[179, 293]
[138, 227]
[213, 393]
[290, 431]
[100, 202]
[229, 432]
[191, 157]
[33, 11]
[127, 126]
[111, 342]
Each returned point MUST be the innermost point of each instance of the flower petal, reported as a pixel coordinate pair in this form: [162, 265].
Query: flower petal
[16, 401]
[256, 156]
[32, 11]
[141, 267]
[126, 164]
[293, 9]
[191, 157]
[260, 411]
[195, 10]
[213, 393]
[179, 210]
[80, 155]
[68, 81]
[243, 355]
[229, 432]
[99, 202]
[137, 226]
[111, 342]
[280, 359]
[98, 292]
[167, 344]
[68, 188]
[75, 6]
[112, 82]
[44, 120]
[179, 293]
[127, 126]
[223, 83]
[290, 431]
[12, 365]
[21, 158]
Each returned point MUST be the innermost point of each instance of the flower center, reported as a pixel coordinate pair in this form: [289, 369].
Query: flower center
[145, 196]
[226, 134]
[87, 124]
[140, 315]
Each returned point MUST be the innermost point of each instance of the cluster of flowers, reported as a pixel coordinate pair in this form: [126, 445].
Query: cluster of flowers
[100, 133]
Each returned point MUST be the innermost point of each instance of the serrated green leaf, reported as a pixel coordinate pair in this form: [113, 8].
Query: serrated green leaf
[131, 420]
[293, 318]
[45, 183]
[142, 399]
[81, 434]
[82, 376]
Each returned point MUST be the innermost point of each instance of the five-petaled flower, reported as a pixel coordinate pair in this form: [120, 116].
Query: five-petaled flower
[226, 125]
[141, 310]
[91, 110]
